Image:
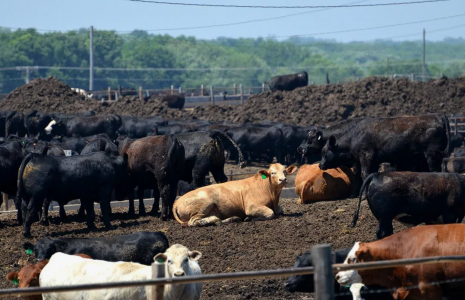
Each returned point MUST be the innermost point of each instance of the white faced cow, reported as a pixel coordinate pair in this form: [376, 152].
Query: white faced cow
[254, 198]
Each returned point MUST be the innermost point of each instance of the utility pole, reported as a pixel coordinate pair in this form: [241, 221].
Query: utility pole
[28, 70]
[91, 59]
[423, 69]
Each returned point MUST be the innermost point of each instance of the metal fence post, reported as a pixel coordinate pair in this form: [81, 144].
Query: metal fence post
[324, 277]
[456, 128]
[5, 201]
[180, 90]
[109, 93]
[242, 93]
[140, 93]
[212, 97]
[263, 87]
[235, 89]
[172, 89]
[158, 271]
[202, 91]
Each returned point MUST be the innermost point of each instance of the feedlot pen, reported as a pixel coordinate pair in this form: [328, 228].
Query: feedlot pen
[251, 246]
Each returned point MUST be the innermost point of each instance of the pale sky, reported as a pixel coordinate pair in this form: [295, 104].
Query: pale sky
[124, 15]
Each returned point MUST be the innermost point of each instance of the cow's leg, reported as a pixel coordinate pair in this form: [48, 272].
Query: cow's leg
[105, 198]
[131, 210]
[156, 202]
[384, 228]
[259, 213]
[357, 184]
[88, 204]
[19, 213]
[44, 213]
[30, 214]
[82, 211]
[218, 175]
[209, 215]
[63, 216]
[165, 201]
[140, 195]
[232, 220]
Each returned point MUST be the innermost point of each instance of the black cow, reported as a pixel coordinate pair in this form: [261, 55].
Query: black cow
[258, 142]
[204, 152]
[87, 126]
[45, 148]
[135, 127]
[413, 198]
[12, 154]
[138, 247]
[90, 177]
[13, 122]
[70, 143]
[174, 101]
[101, 144]
[35, 123]
[456, 141]
[154, 162]
[288, 82]
[305, 283]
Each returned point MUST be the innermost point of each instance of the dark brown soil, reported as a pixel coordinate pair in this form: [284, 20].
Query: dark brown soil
[228, 248]
[311, 105]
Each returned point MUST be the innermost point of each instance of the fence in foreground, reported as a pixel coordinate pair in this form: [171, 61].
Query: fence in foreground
[323, 271]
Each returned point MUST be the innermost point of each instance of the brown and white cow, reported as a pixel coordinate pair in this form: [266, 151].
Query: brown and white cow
[412, 281]
[313, 184]
[253, 198]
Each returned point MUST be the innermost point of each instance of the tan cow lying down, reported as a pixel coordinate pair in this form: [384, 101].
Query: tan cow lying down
[256, 198]
[313, 184]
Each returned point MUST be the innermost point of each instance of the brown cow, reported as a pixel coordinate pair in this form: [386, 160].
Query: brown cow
[313, 184]
[256, 197]
[28, 276]
[421, 241]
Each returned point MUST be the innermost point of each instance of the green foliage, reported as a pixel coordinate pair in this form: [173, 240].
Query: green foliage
[220, 62]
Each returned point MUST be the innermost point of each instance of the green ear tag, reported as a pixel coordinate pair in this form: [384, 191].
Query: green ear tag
[347, 286]
[15, 281]
[29, 251]
[263, 176]
[160, 260]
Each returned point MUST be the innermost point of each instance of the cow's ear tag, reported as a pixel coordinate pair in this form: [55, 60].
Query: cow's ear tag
[29, 251]
[263, 176]
[15, 281]
[348, 286]
[160, 260]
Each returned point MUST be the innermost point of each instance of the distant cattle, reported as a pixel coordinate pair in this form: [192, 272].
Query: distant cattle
[174, 101]
[305, 283]
[313, 184]
[64, 269]
[254, 198]
[154, 162]
[91, 178]
[100, 144]
[87, 126]
[413, 198]
[137, 127]
[138, 247]
[426, 281]
[288, 82]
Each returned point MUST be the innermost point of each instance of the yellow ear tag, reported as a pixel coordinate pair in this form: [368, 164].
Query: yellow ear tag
[263, 176]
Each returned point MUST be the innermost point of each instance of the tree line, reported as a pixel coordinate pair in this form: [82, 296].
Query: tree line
[244, 61]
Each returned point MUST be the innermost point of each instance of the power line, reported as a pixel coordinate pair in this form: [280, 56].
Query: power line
[285, 7]
[429, 32]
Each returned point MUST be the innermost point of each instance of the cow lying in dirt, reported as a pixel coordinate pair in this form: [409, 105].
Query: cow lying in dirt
[254, 198]
[313, 184]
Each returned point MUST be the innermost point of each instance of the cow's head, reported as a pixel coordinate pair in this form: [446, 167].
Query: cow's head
[301, 283]
[331, 156]
[58, 128]
[45, 248]
[177, 259]
[28, 276]
[277, 174]
[355, 255]
[312, 144]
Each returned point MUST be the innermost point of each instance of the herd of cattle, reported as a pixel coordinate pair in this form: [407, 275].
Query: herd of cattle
[112, 157]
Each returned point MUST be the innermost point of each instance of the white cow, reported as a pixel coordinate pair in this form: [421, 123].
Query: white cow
[64, 269]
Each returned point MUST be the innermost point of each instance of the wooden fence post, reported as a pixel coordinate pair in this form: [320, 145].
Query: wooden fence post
[212, 97]
[202, 91]
[263, 87]
[109, 93]
[456, 127]
[324, 277]
[140, 93]
[158, 271]
[5, 201]
[235, 89]
[242, 93]
[172, 89]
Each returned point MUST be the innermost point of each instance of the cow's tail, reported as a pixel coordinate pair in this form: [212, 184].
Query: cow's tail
[224, 135]
[18, 197]
[446, 124]
[364, 186]
[173, 162]
[176, 215]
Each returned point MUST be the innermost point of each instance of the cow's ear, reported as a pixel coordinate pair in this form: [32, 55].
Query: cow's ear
[195, 255]
[264, 173]
[160, 257]
[28, 246]
[332, 141]
[12, 276]
[319, 136]
[291, 169]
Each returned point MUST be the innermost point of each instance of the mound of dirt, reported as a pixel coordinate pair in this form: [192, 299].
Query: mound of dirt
[326, 104]
[310, 105]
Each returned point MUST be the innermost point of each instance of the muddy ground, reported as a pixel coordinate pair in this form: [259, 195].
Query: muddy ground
[229, 248]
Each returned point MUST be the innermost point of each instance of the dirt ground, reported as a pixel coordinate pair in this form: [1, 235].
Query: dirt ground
[229, 248]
